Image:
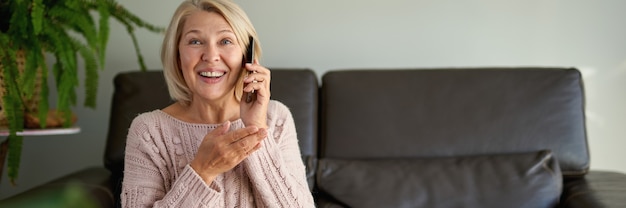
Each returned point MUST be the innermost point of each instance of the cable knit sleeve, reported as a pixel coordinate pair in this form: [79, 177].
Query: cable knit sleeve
[276, 171]
[147, 178]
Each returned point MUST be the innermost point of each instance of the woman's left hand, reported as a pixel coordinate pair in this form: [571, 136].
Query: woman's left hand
[254, 108]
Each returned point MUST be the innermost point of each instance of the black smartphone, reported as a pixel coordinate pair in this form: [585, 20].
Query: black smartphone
[249, 58]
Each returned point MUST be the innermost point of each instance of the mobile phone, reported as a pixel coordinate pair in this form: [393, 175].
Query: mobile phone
[249, 58]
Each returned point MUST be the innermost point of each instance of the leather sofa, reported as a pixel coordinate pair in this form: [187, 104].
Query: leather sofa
[457, 137]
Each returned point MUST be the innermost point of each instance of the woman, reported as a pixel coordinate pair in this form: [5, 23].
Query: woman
[211, 148]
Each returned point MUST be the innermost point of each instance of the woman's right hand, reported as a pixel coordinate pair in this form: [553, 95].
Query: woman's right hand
[221, 150]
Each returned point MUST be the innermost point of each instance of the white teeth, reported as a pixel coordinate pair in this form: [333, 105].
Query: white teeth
[211, 74]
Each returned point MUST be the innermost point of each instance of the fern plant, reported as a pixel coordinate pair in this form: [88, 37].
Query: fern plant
[67, 30]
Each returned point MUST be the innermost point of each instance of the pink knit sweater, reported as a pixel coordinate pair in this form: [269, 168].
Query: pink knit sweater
[157, 172]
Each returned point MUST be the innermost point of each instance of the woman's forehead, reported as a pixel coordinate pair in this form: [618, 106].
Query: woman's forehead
[203, 21]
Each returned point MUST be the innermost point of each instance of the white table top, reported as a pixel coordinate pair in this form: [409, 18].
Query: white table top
[43, 132]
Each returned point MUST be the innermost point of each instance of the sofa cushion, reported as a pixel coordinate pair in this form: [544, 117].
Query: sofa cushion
[506, 180]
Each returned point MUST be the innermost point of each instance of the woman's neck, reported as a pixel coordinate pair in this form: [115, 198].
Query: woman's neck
[205, 112]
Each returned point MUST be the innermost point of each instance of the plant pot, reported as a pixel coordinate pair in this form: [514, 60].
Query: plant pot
[31, 103]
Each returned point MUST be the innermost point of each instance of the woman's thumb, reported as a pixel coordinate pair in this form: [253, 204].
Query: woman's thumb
[223, 128]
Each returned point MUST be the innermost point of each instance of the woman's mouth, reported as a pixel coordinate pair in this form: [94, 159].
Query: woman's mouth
[212, 74]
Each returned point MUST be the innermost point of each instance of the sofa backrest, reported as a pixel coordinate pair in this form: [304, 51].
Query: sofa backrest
[134, 92]
[137, 92]
[386, 114]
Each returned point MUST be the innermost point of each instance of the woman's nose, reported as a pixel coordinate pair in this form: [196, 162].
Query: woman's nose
[210, 53]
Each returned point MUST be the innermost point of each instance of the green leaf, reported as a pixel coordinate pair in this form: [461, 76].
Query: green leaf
[91, 73]
[13, 108]
[33, 58]
[142, 64]
[130, 21]
[19, 22]
[65, 68]
[12, 100]
[73, 4]
[15, 155]
[43, 107]
[104, 30]
[123, 15]
[131, 33]
[80, 22]
[36, 14]
[67, 54]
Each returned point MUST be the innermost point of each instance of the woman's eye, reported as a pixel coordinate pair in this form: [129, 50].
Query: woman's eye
[194, 42]
[226, 42]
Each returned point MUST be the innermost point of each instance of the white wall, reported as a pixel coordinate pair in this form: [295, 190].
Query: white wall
[343, 34]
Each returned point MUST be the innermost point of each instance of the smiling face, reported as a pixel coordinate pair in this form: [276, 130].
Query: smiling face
[210, 58]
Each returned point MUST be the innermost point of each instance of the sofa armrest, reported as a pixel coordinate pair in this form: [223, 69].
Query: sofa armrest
[90, 187]
[596, 189]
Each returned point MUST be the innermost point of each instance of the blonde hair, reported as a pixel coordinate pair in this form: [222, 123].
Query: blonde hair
[170, 56]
